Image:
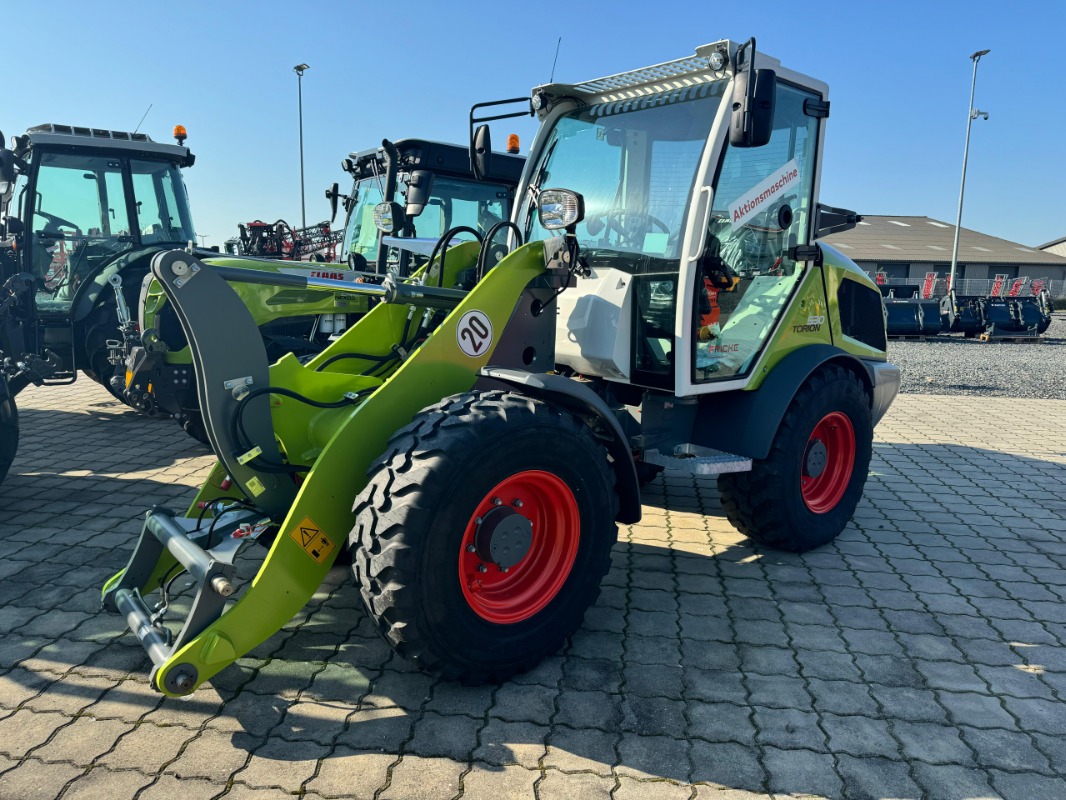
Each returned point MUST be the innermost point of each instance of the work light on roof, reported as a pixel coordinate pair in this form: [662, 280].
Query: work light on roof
[717, 60]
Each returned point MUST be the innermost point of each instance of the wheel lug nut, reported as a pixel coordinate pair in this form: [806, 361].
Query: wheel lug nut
[516, 503]
[471, 549]
[482, 568]
[477, 520]
[497, 501]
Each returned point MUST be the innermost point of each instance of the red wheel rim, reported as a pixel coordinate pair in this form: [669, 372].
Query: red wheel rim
[528, 586]
[828, 461]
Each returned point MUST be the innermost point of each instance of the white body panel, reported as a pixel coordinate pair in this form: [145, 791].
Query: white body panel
[594, 327]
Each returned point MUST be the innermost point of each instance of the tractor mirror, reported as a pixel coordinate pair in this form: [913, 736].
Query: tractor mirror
[481, 152]
[419, 186]
[389, 217]
[333, 194]
[7, 171]
[754, 98]
[13, 226]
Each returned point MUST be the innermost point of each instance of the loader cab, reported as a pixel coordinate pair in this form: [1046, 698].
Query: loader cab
[434, 186]
[84, 200]
[688, 238]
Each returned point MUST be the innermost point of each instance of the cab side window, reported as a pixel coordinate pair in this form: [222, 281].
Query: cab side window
[761, 208]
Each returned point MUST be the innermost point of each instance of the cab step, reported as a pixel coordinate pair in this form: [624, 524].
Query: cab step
[697, 460]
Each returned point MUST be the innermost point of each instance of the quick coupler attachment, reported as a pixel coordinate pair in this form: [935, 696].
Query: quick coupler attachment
[168, 547]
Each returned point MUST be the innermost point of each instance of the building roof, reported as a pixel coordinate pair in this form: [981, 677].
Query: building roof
[923, 239]
[1052, 243]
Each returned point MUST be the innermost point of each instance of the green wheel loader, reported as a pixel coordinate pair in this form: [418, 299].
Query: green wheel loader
[434, 190]
[82, 212]
[474, 439]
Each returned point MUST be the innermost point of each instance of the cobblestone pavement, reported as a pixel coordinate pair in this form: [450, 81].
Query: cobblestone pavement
[922, 654]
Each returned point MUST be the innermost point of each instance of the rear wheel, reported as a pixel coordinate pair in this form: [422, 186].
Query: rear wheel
[483, 534]
[9, 433]
[805, 491]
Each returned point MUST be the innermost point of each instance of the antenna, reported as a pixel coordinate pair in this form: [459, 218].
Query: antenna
[558, 44]
[142, 118]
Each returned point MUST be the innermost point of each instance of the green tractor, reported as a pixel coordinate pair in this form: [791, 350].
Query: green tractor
[82, 213]
[474, 439]
[438, 191]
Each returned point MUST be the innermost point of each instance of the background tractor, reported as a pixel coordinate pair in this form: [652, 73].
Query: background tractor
[83, 211]
[474, 438]
[433, 190]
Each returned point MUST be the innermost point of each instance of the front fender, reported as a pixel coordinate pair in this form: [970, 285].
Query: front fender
[581, 400]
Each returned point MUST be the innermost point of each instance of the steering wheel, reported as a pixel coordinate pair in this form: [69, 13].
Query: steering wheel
[629, 231]
[54, 222]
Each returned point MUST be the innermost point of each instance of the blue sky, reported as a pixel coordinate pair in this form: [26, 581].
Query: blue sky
[899, 77]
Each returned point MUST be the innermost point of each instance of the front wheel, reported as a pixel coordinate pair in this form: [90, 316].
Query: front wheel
[805, 491]
[9, 433]
[483, 534]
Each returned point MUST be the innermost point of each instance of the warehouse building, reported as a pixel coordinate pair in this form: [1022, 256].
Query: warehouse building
[906, 249]
[1058, 247]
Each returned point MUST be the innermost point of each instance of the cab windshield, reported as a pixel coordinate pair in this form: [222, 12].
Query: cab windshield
[634, 163]
[452, 202]
[79, 217]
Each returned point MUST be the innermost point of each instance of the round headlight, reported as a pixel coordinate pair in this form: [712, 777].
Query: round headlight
[717, 60]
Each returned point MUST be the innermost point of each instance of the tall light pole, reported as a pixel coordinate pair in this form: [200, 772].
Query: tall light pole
[970, 117]
[299, 70]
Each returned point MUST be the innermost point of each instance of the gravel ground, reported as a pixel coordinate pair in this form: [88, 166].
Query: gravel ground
[952, 364]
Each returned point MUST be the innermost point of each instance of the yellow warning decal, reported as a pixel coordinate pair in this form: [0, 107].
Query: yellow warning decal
[313, 541]
[255, 486]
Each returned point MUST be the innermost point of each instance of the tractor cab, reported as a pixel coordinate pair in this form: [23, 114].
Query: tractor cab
[433, 187]
[693, 241]
[84, 200]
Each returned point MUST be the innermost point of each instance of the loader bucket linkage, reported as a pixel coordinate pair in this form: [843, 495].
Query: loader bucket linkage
[334, 446]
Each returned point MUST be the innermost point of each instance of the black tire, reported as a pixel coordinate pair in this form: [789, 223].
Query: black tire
[193, 424]
[412, 517]
[9, 433]
[767, 504]
[99, 326]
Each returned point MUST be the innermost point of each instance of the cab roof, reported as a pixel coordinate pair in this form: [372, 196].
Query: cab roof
[438, 157]
[73, 137]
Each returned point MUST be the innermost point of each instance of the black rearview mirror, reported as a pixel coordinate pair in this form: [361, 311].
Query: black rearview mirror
[419, 187]
[481, 152]
[754, 98]
[333, 194]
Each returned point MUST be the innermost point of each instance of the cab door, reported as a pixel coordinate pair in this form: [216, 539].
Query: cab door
[762, 206]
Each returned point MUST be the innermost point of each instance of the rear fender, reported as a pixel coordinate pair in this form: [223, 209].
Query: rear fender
[746, 423]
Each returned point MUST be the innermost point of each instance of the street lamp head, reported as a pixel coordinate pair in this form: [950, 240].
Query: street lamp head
[299, 68]
[976, 56]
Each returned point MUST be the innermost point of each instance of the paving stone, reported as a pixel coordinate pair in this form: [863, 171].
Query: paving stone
[281, 764]
[1029, 786]
[952, 782]
[211, 755]
[511, 743]
[1038, 716]
[351, 773]
[801, 772]
[502, 783]
[561, 786]
[581, 750]
[789, 729]
[423, 779]
[935, 744]
[452, 736]
[649, 757]
[82, 741]
[25, 730]
[35, 780]
[1009, 750]
[869, 778]
[525, 703]
[975, 710]
[721, 722]
[146, 748]
[168, 787]
[860, 736]
[589, 710]
[727, 765]
[630, 789]
[842, 697]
